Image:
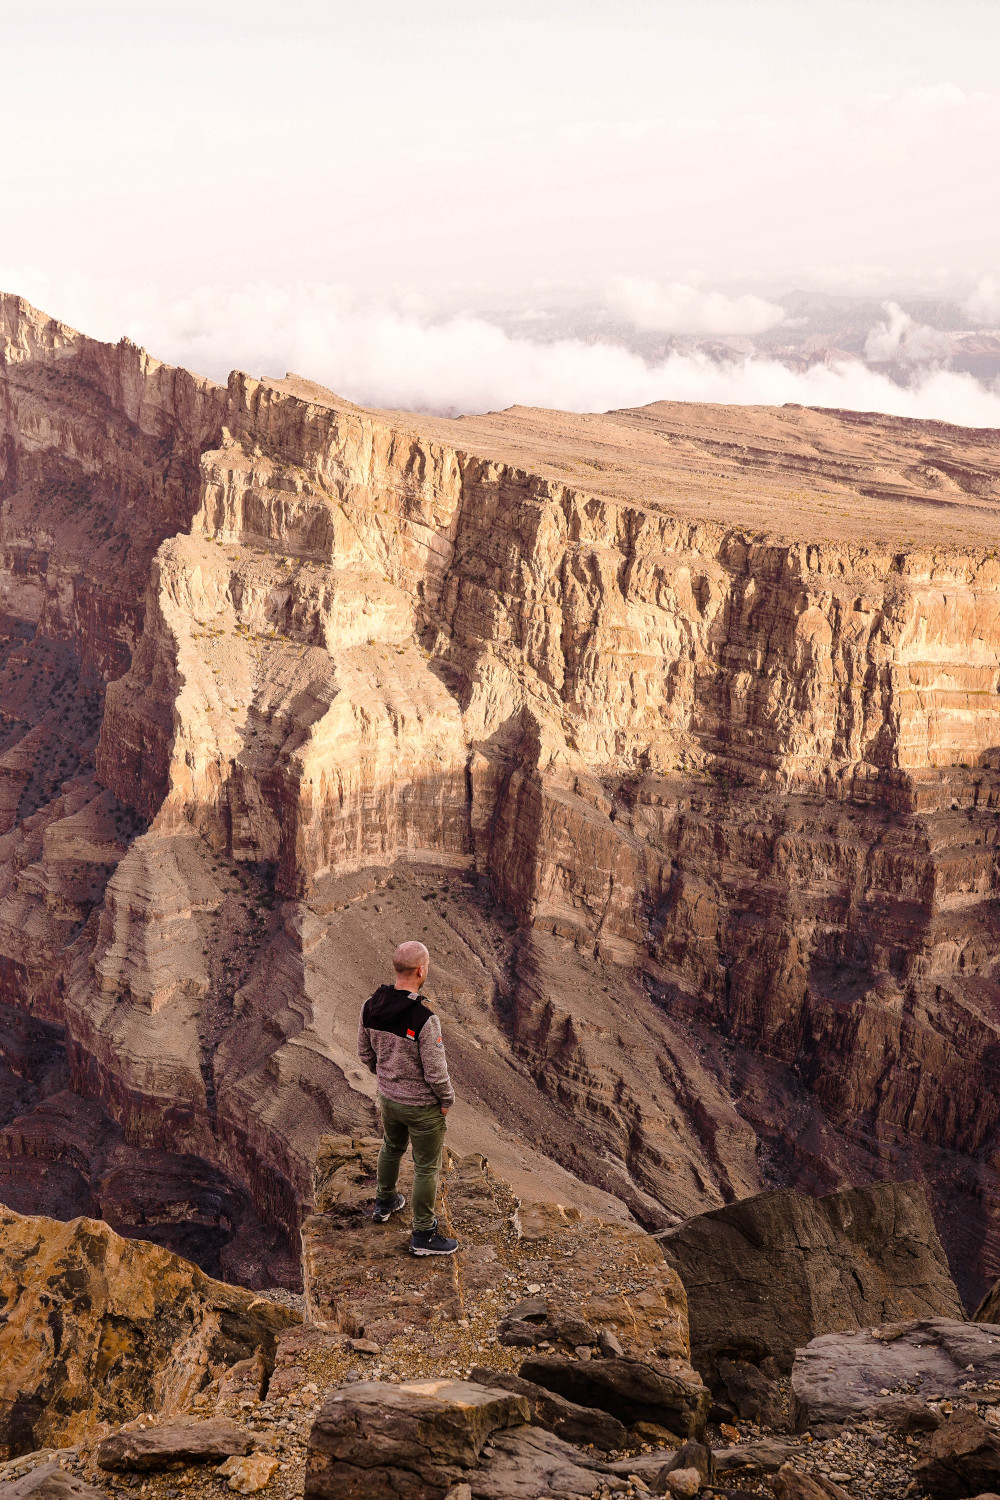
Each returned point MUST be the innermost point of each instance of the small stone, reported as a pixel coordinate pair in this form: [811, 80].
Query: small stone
[248, 1475]
[683, 1483]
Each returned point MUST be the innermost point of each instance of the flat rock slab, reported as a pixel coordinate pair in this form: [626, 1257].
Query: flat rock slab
[572, 1423]
[50, 1482]
[839, 1375]
[665, 1391]
[751, 1460]
[414, 1440]
[172, 1442]
[529, 1463]
[767, 1274]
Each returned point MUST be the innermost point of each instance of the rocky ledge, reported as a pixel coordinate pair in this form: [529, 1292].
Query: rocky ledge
[549, 1360]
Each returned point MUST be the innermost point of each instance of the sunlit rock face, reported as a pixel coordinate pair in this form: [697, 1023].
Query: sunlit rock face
[674, 733]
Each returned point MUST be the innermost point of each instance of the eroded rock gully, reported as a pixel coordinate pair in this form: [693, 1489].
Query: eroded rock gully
[676, 732]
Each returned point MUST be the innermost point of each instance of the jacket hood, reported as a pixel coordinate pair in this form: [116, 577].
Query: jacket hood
[387, 1002]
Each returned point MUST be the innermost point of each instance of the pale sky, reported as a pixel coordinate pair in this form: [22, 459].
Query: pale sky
[211, 177]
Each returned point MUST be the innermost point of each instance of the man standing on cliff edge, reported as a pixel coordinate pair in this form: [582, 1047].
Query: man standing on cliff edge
[399, 1040]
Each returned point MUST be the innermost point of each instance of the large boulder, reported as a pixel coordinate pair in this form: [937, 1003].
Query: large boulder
[962, 1458]
[840, 1375]
[403, 1442]
[767, 1274]
[666, 1392]
[97, 1328]
[572, 1423]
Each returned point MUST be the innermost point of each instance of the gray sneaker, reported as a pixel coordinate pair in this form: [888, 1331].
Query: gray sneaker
[383, 1212]
[429, 1242]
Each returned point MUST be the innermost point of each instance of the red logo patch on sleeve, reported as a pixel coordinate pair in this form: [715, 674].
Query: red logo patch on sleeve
[410, 1034]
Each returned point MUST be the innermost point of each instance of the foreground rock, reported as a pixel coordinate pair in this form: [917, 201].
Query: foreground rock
[766, 1275]
[572, 1423]
[50, 1482]
[665, 1392]
[962, 1458]
[528, 1463]
[414, 1440]
[98, 1328]
[842, 1375]
[788, 1484]
[159, 1446]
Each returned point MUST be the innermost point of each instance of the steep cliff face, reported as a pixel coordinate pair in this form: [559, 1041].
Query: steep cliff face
[693, 791]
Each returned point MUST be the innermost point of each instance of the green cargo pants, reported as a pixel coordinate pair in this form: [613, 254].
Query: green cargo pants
[423, 1127]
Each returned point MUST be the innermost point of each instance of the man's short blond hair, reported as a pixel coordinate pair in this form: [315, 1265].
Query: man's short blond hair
[410, 956]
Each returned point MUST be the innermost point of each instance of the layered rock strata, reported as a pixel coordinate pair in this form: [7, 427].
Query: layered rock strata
[692, 792]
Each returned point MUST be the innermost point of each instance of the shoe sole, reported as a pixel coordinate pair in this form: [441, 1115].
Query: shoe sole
[384, 1218]
[432, 1252]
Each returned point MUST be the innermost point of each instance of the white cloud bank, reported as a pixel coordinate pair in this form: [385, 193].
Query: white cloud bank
[904, 340]
[383, 353]
[677, 308]
[984, 303]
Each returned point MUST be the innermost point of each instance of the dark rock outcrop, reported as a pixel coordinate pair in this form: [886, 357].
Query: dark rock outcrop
[572, 1423]
[664, 1391]
[962, 1458]
[765, 1275]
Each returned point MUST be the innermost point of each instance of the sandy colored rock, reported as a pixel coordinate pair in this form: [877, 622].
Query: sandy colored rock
[684, 1483]
[98, 1328]
[247, 1476]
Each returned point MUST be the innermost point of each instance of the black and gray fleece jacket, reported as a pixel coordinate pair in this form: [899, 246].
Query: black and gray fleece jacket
[399, 1040]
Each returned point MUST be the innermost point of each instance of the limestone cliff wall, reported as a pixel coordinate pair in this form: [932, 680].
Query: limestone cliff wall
[754, 779]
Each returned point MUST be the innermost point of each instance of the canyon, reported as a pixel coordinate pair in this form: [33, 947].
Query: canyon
[674, 733]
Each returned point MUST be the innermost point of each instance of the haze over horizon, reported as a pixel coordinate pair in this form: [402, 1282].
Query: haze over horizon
[436, 208]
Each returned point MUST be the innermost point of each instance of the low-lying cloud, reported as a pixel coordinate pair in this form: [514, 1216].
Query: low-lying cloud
[903, 340]
[984, 303]
[383, 353]
[674, 307]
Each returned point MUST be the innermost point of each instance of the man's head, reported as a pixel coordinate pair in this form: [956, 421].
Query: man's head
[411, 962]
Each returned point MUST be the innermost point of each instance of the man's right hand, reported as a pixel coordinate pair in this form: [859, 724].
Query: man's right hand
[445, 1108]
